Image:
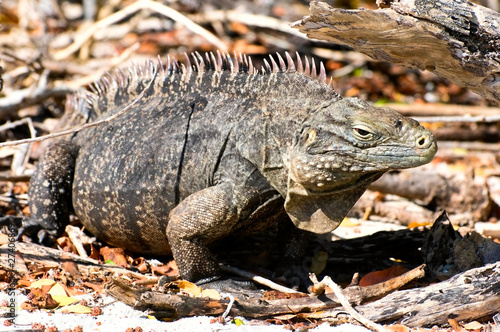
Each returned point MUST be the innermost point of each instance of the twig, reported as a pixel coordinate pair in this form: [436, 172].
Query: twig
[21, 156]
[13, 200]
[477, 146]
[417, 109]
[26, 97]
[470, 119]
[87, 125]
[254, 20]
[87, 32]
[229, 305]
[30, 96]
[328, 282]
[78, 238]
[49, 257]
[448, 113]
[257, 279]
[8, 176]
[97, 74]
[13, 124]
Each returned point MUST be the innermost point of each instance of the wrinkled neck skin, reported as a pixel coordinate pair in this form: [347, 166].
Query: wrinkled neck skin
[321, 210]
[269, 127]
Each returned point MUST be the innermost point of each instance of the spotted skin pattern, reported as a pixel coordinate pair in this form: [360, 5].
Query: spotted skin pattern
[216, 147]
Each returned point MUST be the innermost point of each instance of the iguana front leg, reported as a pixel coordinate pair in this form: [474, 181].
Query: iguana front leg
[198, 220]
[50, 190]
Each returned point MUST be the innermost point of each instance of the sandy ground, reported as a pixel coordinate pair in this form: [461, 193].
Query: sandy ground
[117, 316]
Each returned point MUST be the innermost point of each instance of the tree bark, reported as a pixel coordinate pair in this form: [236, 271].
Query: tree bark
[456, 40]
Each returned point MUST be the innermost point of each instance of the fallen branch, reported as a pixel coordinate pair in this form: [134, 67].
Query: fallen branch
[27, 97]
[431, 110]
[468, 119]
[183, 306]
[8, 176]
[110, 63]
[473, 294]
[462, 193]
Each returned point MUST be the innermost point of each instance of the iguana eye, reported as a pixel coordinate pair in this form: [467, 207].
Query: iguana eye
[362, 132]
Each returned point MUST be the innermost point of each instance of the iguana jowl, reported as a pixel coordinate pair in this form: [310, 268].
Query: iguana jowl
[215, 148]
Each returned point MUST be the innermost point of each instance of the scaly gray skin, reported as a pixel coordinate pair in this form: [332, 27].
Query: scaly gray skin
[214, 149]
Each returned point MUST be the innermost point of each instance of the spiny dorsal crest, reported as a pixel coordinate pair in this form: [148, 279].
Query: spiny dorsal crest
[194, 64]
[226, 62]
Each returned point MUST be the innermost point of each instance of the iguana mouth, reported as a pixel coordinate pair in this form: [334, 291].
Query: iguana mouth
[392, 158]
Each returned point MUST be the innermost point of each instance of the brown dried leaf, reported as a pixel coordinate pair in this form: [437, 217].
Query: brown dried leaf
[397, 328]
[285, 317]
[65, 243]
[27, 305]
[94, 252]
[141, 264]
[24, 282]
[96, 287]
[116, 255]
[170, 269]
[376, 277]
[473, 326]
[71, 268]
[455, 326]
[4, 239]
[189, 287]
[45, 302]
[3, 275]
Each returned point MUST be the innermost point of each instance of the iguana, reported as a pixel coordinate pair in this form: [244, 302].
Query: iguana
[216, 147]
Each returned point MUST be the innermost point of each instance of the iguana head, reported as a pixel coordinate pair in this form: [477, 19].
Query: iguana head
[342, 147]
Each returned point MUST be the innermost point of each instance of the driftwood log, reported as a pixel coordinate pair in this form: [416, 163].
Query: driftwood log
[176, 305]
[469, 295]
[454, 39]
